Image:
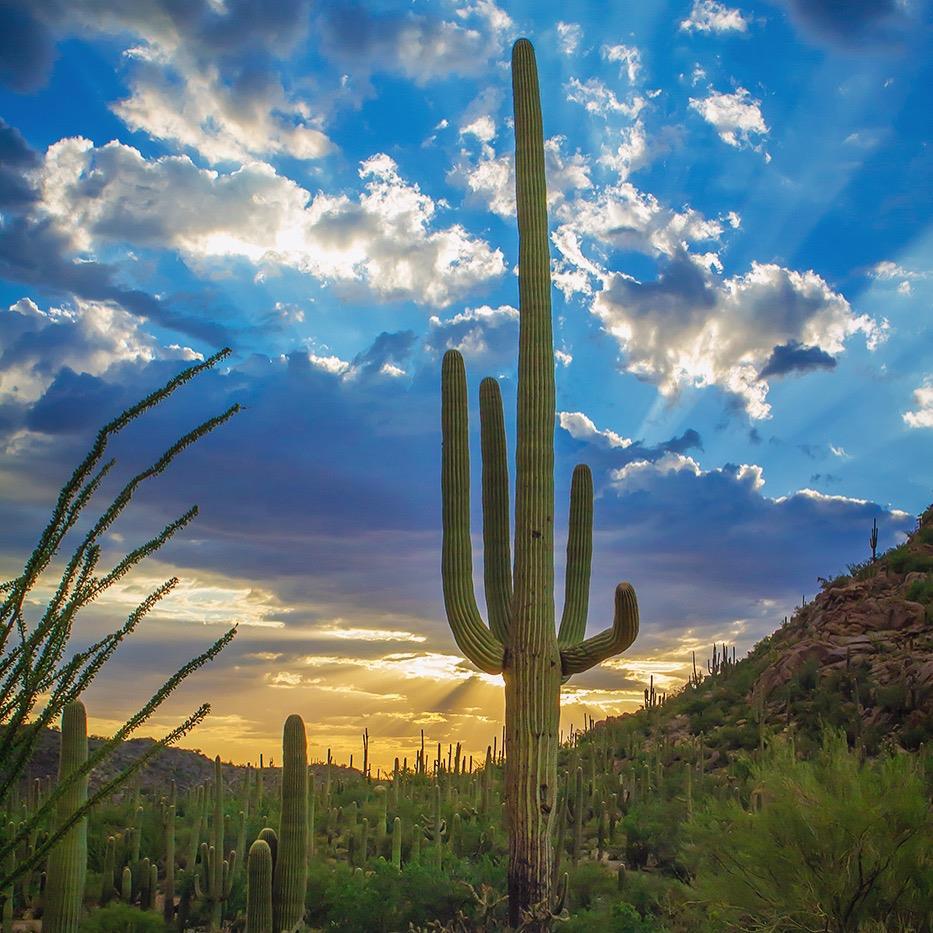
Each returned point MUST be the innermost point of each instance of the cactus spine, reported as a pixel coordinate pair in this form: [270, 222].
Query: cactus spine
[259, 888]
[291, 867]
[520, 641]
[64, 890]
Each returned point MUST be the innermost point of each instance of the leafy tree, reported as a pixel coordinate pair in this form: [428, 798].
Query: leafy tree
[40, 673]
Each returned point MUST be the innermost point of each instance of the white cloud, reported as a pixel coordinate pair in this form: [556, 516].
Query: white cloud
[710, 16]
[483, 128]
[580, 427]
[569, 36]
[631, 154]
[478, 333]
[623, 217]
[563, 357]
[86, 336]
[887, 270]
[690, 328]
[922, 415]
[383, 237]
[642, 474]
[735, 117]
[599, 100]
[194, 107]
[627, 57]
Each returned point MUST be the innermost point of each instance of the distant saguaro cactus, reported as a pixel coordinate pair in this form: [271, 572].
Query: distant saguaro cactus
[290, 878]
[873, 539]
[520, 641]
[67, 871]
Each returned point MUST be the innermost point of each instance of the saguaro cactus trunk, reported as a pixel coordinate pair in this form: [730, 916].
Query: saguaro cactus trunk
[520, 641]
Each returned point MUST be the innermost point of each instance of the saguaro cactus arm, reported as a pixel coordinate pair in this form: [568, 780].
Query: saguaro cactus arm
[474, 639]
[497, 563]
[579, 558]
[578, 658]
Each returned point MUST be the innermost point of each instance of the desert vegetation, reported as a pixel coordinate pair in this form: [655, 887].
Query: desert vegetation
[786, 790]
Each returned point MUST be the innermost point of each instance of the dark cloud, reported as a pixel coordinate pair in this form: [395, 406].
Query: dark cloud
[853, 22]
[793, 356]
[34, 253]
[418, 46]
[73, 403]
[386, 350]
[245, 30]
[16, 157]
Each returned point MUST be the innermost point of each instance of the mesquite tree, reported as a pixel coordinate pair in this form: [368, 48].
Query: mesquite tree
[520, 641]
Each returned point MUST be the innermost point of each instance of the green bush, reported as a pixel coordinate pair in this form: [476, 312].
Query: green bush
[122, 918]
[837, 843]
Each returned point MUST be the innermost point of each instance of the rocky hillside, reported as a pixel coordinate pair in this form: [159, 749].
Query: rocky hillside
[870, 629]
[859, 656]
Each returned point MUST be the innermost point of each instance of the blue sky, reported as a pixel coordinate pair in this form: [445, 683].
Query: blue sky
[743, 267]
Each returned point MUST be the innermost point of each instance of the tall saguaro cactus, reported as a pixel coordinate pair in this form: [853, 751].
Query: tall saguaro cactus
[290, 876]
[520, 641]
[67, 871]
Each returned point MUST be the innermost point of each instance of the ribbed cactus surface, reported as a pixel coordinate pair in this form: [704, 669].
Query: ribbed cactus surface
[520, 641]
[67, 869]
[259, 888]
[291, 866]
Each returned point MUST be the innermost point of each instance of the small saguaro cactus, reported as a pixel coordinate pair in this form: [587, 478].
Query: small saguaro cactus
[259, 888]
[168, 834]
[397, 842]
[213, 882]
[290, 878]
[520, 641]
[873, 540]
[67, 870]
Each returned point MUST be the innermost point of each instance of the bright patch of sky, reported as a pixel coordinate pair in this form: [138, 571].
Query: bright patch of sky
[739, 200]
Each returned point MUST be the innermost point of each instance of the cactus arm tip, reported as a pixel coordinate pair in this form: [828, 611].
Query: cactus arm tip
[581, 657]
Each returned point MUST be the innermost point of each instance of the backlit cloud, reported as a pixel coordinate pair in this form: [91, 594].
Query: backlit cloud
[383, 238]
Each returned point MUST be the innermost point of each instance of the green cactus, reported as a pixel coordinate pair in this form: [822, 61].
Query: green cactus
[213, 882]
[67, 868]
[259, 888]
[146, 894]
[126, 885]
[397, 842]
[168, 836]
[435, 828]
[271, 838]
[290, 877]
[108, 878]
[520, 641]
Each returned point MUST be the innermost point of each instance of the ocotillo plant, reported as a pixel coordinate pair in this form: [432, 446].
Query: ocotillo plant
[291, 864]
[64, 890]
[520, 641]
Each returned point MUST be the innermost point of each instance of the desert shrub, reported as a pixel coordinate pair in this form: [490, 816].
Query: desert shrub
[612, 917]
[383, 899]
[587, 883]
[837, 843]
[904, 560]
[122, 918]
[652, 828]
